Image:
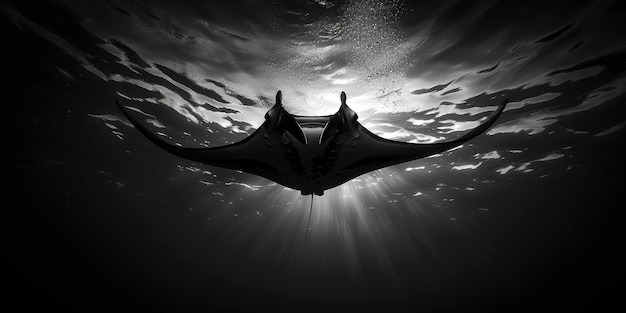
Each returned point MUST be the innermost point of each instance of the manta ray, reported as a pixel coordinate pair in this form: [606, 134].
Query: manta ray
[311, 153]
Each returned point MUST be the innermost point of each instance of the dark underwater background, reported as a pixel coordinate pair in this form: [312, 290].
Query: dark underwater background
[526, 217]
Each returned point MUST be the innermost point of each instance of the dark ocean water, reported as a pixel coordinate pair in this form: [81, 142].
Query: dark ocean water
[527, 216]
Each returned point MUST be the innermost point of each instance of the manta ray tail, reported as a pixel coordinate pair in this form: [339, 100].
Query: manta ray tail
[306, 235]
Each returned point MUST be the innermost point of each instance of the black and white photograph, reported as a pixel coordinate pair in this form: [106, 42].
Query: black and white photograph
[314, 155]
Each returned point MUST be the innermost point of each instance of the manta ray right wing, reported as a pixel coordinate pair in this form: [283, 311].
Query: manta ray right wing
[356, 150]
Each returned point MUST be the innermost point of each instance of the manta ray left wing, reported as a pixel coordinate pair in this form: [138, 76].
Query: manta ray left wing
[269, 152]
[311, 153]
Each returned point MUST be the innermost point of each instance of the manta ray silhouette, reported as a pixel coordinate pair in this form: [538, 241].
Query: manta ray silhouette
[311, 153]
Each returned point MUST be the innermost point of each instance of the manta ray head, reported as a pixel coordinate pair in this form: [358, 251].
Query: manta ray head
[311, 141]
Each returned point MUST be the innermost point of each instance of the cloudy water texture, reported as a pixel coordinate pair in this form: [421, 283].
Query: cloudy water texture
[526, 215]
